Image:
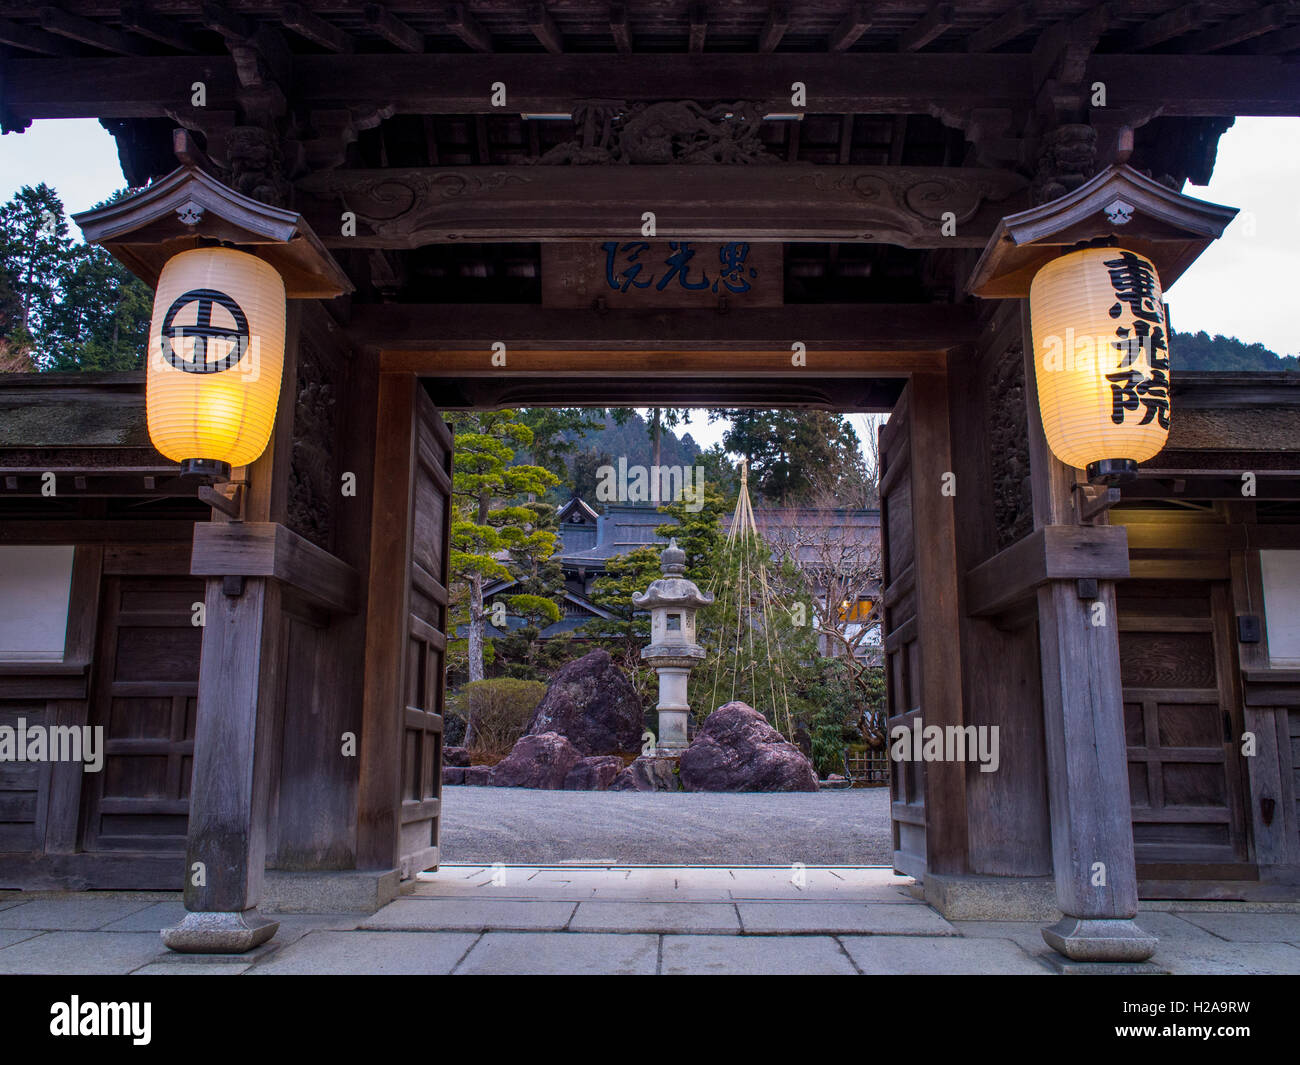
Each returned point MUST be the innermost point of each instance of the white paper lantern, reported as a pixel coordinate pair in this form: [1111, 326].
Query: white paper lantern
[216, 353]
[1101, 360]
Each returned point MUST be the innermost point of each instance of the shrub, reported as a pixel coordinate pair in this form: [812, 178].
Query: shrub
[496, 712]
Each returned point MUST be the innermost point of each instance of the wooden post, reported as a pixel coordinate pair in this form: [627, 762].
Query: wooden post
[238, 704]
[1083, 711]
[940, 681]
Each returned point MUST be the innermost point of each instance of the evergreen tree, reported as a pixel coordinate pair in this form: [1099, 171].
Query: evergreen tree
[36, 252]
[586, 473]
[489, 518]
[538, 590]
[102, 320]
[796, 455]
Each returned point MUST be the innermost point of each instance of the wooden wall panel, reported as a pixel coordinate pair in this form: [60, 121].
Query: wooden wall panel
[1183, 722]
[144, 695]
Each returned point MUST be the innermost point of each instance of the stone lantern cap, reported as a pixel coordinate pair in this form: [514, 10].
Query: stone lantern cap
[672, 589]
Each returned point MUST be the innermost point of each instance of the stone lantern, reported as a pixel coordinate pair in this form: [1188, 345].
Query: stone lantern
[672, 601]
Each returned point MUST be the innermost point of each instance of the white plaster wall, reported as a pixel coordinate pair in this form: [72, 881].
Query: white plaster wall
[34, 587]
[1281, 576]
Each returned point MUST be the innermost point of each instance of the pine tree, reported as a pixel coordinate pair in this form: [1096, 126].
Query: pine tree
[489, 518]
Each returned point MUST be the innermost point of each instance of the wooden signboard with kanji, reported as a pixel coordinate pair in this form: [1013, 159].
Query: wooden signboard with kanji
[662, 273]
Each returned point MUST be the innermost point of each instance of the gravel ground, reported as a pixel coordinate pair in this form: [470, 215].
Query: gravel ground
[522, 826]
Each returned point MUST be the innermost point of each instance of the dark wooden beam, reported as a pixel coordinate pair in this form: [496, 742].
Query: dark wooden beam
[727, 389]
[1277, 43]
[544, 29]
[95, 34]
[1054, 552]
[140, 20]
[699, 27]
[937, 21]
[1242, 28]
[32, 40]
[778, 21]
[851, 27]
[1017, 21]
[467, 28]
[297, 18]
[230, 24]
[409, 207]
[837, 335]
[1180, 86]
[266, 549]
[393, 29]
[1165, 27]
[619, 29]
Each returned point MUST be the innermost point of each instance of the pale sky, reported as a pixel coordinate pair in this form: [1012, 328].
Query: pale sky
[1246, 285]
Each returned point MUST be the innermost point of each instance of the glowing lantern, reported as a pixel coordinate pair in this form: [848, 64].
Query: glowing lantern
[1101, 360]
[216, 351]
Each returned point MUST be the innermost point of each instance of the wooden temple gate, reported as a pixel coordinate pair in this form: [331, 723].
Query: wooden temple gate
[494, 211]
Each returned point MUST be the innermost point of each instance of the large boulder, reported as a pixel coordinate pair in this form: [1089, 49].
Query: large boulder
[592, 703]
[477, 776]
[594, 774]
[457, 756]
[453, 774]
[737, 750]
[541, 761]
[648, 774]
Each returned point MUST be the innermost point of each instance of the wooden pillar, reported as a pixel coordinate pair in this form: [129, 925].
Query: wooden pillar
[238, 703]
[938, 616]
[1083, 712]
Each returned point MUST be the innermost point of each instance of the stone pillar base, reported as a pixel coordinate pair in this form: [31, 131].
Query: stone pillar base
[992, 898]
[1100, 939]
[219, 933]
[330, 891]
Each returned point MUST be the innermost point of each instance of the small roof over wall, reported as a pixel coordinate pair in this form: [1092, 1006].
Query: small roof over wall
[1169, 228]
[188, 208]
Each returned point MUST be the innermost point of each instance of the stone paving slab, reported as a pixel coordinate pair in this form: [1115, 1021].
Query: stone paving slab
[152, 918]
[713, 918]
[12, 898]
[177, 968]
[755, 955]
[93, 953]
[369, 953]
[562, 954]
[75, 911]
[834, 918]
[471, 915]
[919, 955]
[1248, 927]
[10, 936]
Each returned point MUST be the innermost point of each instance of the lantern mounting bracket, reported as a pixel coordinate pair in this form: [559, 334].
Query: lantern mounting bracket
[231, 505]
[1093, 499]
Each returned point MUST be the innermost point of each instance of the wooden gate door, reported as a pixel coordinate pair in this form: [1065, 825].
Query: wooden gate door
[1183, 722]
[426, 638]
[144, 697]
[898, 633]
[406, 633]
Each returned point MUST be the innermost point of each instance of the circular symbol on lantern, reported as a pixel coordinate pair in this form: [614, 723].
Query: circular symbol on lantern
[203, 332]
